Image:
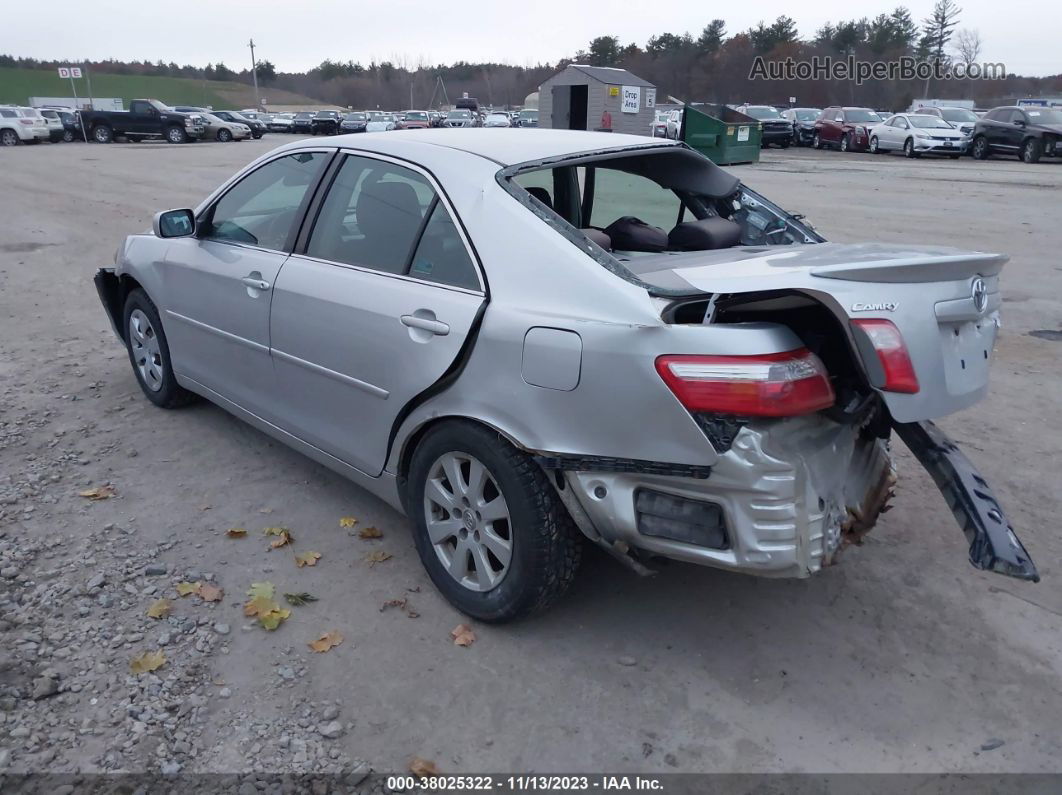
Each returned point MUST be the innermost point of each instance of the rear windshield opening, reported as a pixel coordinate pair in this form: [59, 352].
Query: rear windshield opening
[635, 205]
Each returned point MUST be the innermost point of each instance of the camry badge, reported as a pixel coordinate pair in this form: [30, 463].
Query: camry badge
[881, 306]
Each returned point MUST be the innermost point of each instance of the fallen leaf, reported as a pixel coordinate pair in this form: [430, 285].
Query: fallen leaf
[347, 521]
[307, 559]
[463, 635]
[236, 532]
[412, 613]
[187, 588]
[259, 606]
[379, 556]
[265, 589]
[274, 531]
[327, 641]
[265, 510]
[205, 507]
[367, 533]
[209, 592]
[282, 540]
[299, 599]
[160, 608]
[394, 603]
[147, 661]
[271, 620]
[98, 493]
[423, 767]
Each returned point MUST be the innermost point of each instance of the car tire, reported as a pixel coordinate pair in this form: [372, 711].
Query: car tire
[979, 150]
[149, 353]
[544, 546]
[8, 138]
[846, 142]
[955, 157]
[874, 150]
[816, 141]
[102, 134]
[224, 135]
[1031, 150]
[176, 135]
[908, 148]
[68, 136]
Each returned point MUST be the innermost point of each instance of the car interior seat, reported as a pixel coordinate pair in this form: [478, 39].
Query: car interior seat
[542, 195]
[704, 234]
[389, 217]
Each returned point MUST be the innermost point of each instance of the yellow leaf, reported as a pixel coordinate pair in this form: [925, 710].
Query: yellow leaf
[187, 588]
[282, 540]
[307, 559]
[369, 532]
[259, 606]
[209, 592]
[160, 608]
[422, 767]
[147, 661]
[347, 521]
[272, 619]
[274, 531]
[379, 556]
[265, 589]
[463, 635]
[236, 532]
[98, 493]
[327, 641]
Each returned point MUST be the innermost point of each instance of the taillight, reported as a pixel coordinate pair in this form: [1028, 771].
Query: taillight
[892, 353]
[767, 385]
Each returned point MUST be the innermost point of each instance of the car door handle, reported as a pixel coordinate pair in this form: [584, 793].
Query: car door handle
[257, 283]
[436, 327]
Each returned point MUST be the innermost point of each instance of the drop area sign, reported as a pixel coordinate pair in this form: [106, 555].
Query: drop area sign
[632, 99]
[70, 72]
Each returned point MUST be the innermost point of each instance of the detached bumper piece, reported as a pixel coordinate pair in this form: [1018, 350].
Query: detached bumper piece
[993, 544]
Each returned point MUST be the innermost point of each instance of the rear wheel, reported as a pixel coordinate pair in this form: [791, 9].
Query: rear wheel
[176, 135]
[102, 134]
[8, 138]
[224, 135]
[488, 525]
[1031, 150]
[150, 355]
[980, 148]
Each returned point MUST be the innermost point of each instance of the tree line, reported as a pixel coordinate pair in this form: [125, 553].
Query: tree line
[710, 65]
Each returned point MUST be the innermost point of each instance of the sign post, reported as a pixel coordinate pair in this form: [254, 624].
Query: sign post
[71, 73]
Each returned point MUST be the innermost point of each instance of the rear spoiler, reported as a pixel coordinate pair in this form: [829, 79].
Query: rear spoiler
[944, 268]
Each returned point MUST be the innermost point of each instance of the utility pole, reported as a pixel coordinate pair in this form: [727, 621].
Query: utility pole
[254, 76]
[411, 94]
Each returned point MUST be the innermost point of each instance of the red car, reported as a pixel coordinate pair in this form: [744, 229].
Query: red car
[415, 120]
[845, 128]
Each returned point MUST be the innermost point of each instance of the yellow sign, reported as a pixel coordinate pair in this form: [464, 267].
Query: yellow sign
[613, 91]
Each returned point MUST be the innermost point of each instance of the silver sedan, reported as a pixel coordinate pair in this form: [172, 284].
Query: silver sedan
[530, 342]
[916, 134]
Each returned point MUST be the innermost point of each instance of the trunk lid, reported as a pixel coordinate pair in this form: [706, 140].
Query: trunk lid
[944, 301]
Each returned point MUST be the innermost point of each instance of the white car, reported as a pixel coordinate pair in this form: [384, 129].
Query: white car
[916, 134]
[658, 127]
[380, 122]
[673, 128]
[498, 120]
[22, 125]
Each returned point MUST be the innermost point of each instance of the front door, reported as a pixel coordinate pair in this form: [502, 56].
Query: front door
[373, 311]
[219, 283]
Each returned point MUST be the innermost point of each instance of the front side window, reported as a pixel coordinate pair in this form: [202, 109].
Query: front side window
[261, 209]
[618, 194]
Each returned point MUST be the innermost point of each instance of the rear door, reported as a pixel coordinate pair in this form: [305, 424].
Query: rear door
[218, 284]
[372, 309]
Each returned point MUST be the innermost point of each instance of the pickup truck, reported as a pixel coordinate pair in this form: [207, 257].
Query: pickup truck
[146, 118]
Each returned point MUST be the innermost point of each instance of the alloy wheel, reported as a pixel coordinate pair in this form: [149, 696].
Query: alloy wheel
[468, 521]
[8, 138]
[874, 145]
[147, 354]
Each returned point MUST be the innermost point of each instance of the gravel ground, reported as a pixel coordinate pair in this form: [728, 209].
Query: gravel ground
[902, 658]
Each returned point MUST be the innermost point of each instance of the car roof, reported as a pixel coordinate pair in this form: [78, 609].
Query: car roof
[507, 146]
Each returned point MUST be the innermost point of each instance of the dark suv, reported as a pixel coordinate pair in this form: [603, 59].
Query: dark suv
[846, 128]
[1028, 132]
[775, 128]
[326, 122]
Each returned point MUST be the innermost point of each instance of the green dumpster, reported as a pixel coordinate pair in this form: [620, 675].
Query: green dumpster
[721, 133]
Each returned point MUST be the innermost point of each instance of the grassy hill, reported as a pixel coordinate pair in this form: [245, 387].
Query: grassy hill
[18, 85]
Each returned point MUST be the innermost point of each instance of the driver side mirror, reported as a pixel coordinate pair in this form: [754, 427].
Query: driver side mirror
[1020, 122]
[174, 223]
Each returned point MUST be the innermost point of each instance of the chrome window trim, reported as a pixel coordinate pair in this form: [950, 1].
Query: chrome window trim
[440, 194]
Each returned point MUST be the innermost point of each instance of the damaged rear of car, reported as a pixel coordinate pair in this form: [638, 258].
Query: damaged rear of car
[795, 358]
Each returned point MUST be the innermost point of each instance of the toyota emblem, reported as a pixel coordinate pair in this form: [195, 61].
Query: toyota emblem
[979, 290]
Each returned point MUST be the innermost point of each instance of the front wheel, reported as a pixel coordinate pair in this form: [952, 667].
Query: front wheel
[846, 143]
[980, 148]
[488, 525]
[68, 136]
[150, 354]
[224, 135]
[1031, 151]
[874, 150]
[816, 142]
[176, 135]
[908, 148]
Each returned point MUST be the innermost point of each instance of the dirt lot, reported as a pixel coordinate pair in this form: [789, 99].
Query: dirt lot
[901, 658]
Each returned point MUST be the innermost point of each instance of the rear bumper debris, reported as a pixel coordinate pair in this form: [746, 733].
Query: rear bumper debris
[993, 544]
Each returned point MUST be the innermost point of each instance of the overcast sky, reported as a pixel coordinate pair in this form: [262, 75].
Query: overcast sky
[1023, 34]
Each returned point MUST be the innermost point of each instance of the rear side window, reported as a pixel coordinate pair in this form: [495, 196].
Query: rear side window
[261, 209]
[386, 217]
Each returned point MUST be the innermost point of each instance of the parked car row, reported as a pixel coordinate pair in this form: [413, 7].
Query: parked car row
[332, 122]
[25, 125]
